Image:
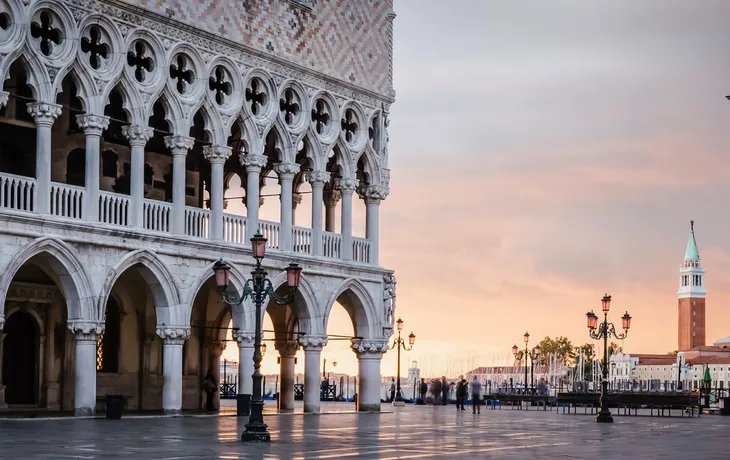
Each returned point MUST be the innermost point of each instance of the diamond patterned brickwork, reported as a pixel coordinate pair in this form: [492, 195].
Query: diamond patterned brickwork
[350, 40]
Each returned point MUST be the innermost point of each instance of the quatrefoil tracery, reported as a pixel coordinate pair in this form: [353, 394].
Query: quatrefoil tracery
[95, 48]
[349, 125]
[141, 62]
[289, 106]
[256, 96]
[44, 31]
[219, 85]
[181, 74]
[320, 116]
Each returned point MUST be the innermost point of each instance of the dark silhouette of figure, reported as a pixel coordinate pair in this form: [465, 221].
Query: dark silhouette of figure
[209, 386]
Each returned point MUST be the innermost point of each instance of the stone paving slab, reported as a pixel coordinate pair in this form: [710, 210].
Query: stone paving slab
[405, 433]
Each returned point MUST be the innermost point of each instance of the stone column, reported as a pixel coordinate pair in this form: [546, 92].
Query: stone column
[296, 200]
[179, 146]
[317, 179]
[286, 172]
[373, 195]
[4, 95]
[172, 371]
[245, 371]
[45, 115]
[87, 334]
[215, 350]
[287, 353]
[347, 187]
[138, 137]
[331, 198]
[253, 163]
[369, 353]
[312, 345]
[217, 155]
[51, 387]
[93, 126]
[3, 405]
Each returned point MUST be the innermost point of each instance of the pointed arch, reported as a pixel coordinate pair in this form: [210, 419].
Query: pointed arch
[368, 165]
[173, 112]
[314, 150]
[132, 101]
[84, 88]
[282, 141]
[60, 263]
[37, 77]
[213, 124]
[306, 304]
[359, 304]
[343, 160]
[242, 316]
[158, 279]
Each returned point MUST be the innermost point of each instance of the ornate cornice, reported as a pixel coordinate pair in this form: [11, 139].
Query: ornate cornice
[253, 162]
[92, 124]
[286, 171]
[86, 331]
[174, 335]
[179, 145]
[138, 135]
[44, 113]
[318, 176]
[369, 346]
[313, 342]
[244, 339]
[217, 153]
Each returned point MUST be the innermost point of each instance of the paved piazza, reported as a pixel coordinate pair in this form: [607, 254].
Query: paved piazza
[408, 433]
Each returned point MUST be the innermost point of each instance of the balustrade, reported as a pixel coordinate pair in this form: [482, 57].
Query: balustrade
[331, 245]
[234, 229]
[302, 240]
[156, 215]
[66, 200]
[270, 230]
[361, 250]
[17, 192]
[197, 222]
[114, 208]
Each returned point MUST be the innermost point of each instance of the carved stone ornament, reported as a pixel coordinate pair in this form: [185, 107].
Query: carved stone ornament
[369, 346]
[313, 342]
[217, 153]
[318, 176]
[174, 335]
[373, 193]
[2, 322]
[286, 347]
[389, 298]
[138, 135]
[92, 124]
[44, 113]
[3, 98]
[86, 331]
[286, 170]
[253, 162]
[348, 185]
[179, 145]
[388, 332]
[244, 339]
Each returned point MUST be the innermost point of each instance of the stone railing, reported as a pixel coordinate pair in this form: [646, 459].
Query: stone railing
[66, 200]
[331, 245]
[234, 229]
[361, 250]
[196, 222]
[156, 215]
[114, 208]
[17, 192]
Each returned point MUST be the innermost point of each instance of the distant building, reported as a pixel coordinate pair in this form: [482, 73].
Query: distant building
[414, 373]
[691, 297]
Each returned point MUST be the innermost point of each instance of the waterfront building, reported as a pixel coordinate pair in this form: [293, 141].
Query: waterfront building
[125, 125]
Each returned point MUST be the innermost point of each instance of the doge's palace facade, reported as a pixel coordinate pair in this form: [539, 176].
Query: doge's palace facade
[124, 126]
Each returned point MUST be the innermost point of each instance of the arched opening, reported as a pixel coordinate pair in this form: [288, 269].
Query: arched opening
[76, 167]
[116, 163]
[107, 351]
[17, 128]
[158, 159]
[341, 363]
[21, 359]
[270, 189]
[302, 189]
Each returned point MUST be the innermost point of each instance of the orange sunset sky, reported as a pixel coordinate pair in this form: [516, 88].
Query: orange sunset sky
[543, 153]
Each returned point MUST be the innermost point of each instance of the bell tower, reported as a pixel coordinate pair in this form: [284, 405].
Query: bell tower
[691, 297]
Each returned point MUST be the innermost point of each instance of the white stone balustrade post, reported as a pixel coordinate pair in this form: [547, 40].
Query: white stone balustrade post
[173, 340]
[245, 371]
[312, 345]
[373, 195]
[347, 187]
[286, 172]
[217, 155]
[138, 136]
[287, 352]
[179, 147]
[93, 127]
[45, 115]
[254, 164]
[317, 179]
[369, 354]
[87, 334]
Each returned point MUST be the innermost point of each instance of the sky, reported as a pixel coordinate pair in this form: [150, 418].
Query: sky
[544, 152]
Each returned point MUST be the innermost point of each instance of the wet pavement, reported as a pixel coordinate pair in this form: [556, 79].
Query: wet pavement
[406, 433]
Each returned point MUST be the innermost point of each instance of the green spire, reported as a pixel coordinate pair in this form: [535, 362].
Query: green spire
[692, 252]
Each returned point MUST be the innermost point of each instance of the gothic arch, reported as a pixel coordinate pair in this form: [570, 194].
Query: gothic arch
[213, 126]
[283, 143]
[84, 89]
[359, 305]
[36, 76]
[239, 315]
[314, 150]
[65, 269]
[370, 168]
[132, 101]
[306, 304]
[173, 112]
[158, 279]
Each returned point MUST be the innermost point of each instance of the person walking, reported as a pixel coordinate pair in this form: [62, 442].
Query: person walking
[392, 390]
[476, 399]
[444, 391]
[209, 386]
[461, 389]
[423, 390]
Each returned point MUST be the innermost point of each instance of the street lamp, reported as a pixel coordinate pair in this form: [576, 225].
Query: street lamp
[603, 331]
[258, 288]
[401, 343]
[531, 354]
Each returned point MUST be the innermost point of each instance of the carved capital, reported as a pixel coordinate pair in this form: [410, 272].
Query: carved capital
[286, 171]
[296, 199]
[373, 193]
[3, 98]
[179, 145]
[253, 162]
[92, 124]
[217, 153]
[332, 197]
[313, 342]
[244, 339]
[286, 347]
[44, 113]
[2, 321]
[86, 331]
[348, 185]
[369, 346]
[174, 335]
[137, 135]
[217, 348]
[320, 177]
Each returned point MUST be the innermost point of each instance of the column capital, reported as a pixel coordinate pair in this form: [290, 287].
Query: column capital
[372, 347]
[44, 113]
[318, 177]
[2, 321]
[372, 193]
[217, 348]
[244, 339]
[138, 135]
[179, 145]
[92, 124]
[332, 196]
[296, 199]
[286, 347]
[286, 171]
[348, 185]
[86, 331]
[313, 342]
[173, 335]
[4, 98]
[253, 162]
[217, 153]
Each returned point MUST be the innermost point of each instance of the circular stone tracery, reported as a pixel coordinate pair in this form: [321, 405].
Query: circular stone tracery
[349, 126]
[220, 85]
[181, 74]
[256, 96]
[95, 47]
[321, 116]
[290, 106]
[139, 58]
[45, 31]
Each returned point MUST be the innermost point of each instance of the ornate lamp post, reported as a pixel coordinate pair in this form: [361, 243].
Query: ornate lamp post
[401, 343]
[532, 355]
[603, 331]
[259, 288]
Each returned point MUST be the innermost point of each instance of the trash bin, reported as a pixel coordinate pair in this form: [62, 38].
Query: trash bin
[114, 406]
[724, 406]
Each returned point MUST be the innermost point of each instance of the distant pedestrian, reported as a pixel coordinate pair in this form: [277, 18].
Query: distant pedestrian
[476, 398]
[461, 389]
[444, 391]
[436, 390]
[423, 390]
[209, 386]
[392, 390]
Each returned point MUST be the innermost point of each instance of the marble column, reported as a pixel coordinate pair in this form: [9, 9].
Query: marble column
[245, 371]
[138, 136]
[369, 353]
[254, 164]
[50, 387]
[373, 195]
[286, 172]
[317, 179]
[331, 198]
[215, 351]
[87, 334]
[217, 155]
[287, 353]
[45, 115]
[172, 371]
[312, 345]
[179, 146]
[347, 187]
[93, 126]
[3, 405]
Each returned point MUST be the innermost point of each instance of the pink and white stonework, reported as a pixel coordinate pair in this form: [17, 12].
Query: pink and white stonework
[122, 125]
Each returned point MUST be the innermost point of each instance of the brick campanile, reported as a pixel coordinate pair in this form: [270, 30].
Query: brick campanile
[691, 295]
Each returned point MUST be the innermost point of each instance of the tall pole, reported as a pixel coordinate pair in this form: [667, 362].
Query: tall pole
[605, 414]
[532, 374]
[525, 367]
[397, 380]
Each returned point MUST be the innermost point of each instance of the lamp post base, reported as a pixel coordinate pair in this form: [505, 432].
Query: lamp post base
[256, 436]
[604, 417]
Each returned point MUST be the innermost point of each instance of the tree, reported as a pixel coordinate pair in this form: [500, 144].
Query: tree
[559, 347]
